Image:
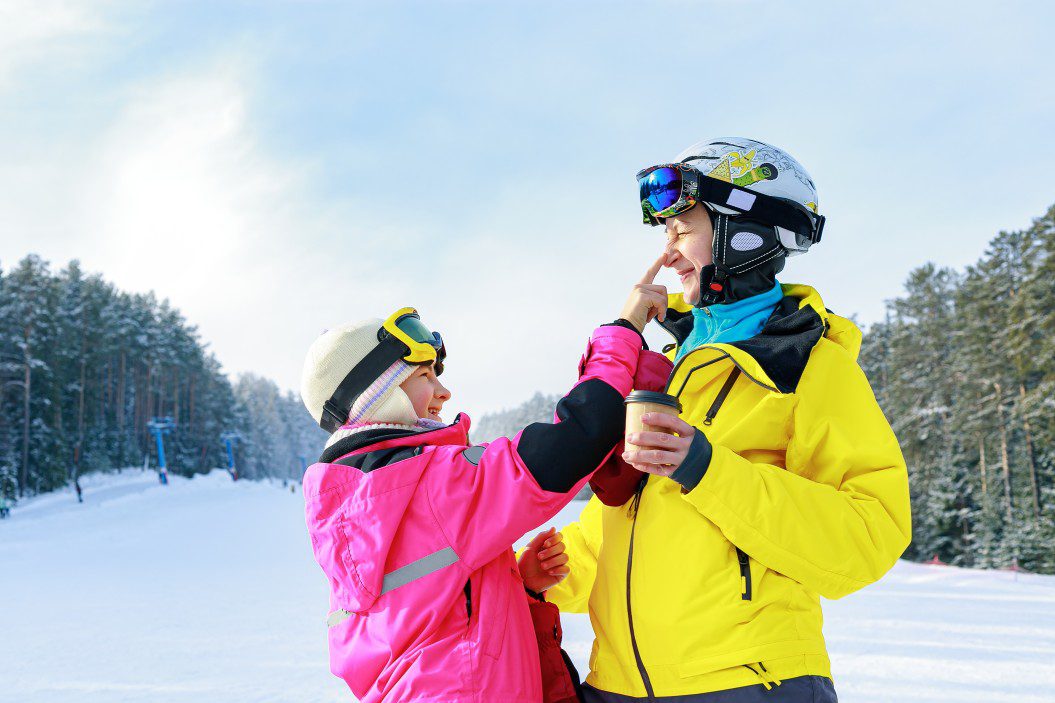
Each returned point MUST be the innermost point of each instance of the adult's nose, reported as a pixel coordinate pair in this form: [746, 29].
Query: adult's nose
[670, 254]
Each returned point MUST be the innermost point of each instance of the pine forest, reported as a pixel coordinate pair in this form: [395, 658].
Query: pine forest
[963, 365]
[86, 368]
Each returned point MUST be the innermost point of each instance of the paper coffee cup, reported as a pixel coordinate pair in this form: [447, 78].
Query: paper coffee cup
[638, 403]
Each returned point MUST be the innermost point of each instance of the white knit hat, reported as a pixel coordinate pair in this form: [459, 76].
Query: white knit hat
[333, 355]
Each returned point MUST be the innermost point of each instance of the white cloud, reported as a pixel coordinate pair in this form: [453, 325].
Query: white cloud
[31, 29]
[172, 184]
[181, 192]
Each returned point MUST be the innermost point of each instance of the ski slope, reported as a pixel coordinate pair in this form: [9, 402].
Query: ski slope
[205, 590]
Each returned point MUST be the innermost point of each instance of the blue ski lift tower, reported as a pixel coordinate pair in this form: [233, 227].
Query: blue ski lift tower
[229, 440]
[159, 427]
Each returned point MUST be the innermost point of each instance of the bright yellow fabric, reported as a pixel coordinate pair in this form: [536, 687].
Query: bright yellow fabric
[811, 485]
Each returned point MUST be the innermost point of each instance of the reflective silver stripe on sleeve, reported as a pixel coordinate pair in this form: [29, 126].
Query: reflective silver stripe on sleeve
[413, 571]
[418, 569]
[337, 617]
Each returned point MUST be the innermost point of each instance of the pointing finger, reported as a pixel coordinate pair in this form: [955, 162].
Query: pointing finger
[650, 274]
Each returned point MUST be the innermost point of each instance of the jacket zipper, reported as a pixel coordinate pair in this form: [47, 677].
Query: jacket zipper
[634, 507]
[722, 395]
[745, 574]
[741, 557]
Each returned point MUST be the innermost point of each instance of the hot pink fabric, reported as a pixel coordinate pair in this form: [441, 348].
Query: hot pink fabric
[615, 481]
[417, 642]
[653, 370]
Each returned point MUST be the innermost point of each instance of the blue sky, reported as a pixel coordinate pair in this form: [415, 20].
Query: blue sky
[277, 168]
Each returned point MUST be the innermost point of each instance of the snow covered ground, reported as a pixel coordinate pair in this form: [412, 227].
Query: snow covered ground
[205, 590]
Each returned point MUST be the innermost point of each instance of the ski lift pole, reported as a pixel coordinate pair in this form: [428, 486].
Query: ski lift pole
[159, 427]
[229, 438]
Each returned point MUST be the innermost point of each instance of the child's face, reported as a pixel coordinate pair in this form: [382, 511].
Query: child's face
[426, 393]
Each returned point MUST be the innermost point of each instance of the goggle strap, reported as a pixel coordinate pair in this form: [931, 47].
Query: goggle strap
[764, 207]
[376, 362]
[767, 208]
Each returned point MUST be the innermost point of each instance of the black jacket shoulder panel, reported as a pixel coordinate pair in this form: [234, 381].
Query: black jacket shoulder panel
[379, 458]
[359, 440]
[783, 346]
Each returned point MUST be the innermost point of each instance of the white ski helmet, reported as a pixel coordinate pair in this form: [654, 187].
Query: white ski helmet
[759, 167]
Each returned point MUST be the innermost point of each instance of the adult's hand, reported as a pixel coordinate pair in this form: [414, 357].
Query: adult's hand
[544, 563]
[647, 299]
[660, 453]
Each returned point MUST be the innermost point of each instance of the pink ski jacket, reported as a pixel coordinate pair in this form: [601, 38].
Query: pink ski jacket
[414, 531]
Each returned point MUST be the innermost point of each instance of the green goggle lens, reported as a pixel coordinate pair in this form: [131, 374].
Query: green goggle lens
[413, 327]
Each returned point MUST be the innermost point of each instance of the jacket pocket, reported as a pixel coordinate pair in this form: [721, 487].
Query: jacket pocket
[493, 604]
[744, 563]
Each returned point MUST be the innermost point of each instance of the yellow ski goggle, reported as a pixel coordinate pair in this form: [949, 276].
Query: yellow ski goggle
[423, 345]
[402, 336]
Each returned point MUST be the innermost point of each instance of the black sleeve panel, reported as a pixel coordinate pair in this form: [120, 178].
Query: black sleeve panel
[590, 423]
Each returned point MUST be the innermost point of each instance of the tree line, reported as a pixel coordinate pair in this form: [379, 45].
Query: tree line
[964, 368]
[85, 367]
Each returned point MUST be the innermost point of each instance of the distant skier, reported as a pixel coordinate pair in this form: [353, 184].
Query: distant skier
[77, 487]
[413, 525]
[5, 507]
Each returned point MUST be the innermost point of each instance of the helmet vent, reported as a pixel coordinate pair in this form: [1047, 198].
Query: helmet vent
[746, 241]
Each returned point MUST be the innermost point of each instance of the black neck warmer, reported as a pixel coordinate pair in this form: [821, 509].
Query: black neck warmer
[740, 286]
[748, 256]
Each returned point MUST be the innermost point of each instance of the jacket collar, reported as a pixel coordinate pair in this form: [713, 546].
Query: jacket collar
[776, 357]
[456, 433]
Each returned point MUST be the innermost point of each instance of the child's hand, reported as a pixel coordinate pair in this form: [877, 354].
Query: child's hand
[647, 299]
[544, 563]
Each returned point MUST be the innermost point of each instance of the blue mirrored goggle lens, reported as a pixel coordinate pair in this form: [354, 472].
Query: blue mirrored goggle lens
[661, 188]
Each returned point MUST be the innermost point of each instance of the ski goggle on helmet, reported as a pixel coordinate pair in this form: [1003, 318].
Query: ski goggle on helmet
[402, 336]
[667, 190]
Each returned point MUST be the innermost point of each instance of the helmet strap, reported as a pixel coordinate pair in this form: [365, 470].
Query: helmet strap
[335, 410]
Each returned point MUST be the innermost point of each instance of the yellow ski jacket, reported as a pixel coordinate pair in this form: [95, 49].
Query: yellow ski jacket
[806, 495]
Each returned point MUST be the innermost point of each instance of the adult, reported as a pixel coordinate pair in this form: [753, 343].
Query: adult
[784, 481]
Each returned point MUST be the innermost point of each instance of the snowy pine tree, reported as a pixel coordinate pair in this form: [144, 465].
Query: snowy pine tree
[964, 367]
[83, 369]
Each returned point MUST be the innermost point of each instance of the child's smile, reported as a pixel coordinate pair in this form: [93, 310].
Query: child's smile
[426, 393]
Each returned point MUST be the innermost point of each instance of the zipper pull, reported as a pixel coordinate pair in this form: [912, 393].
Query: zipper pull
[720, 398]
[756, 672]
[774, 679]
[745, 574]
[636, 500]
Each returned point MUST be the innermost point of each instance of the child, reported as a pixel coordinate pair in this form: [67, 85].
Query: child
[413, 526]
